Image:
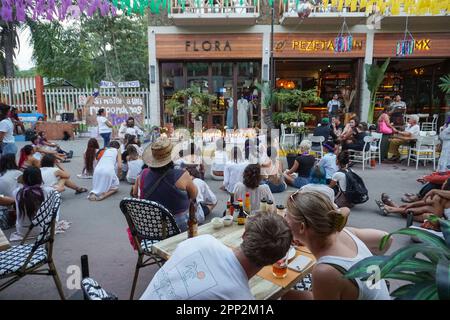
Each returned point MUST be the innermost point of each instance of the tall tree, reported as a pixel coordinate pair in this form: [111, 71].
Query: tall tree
[9, 40]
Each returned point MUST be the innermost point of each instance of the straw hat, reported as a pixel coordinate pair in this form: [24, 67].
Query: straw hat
[159, 153]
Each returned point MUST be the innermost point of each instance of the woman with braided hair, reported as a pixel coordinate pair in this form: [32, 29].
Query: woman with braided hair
[316, 223]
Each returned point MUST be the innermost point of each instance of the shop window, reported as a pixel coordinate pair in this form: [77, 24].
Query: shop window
[171, 81]
[248, 77]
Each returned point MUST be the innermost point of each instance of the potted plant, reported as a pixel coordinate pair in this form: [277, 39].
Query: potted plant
[198, 102]
[374, 78]
[424, 266]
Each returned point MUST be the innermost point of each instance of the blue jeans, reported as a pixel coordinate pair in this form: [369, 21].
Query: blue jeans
[275, 188]
[9, 148]
[300, 182]
[106, 138]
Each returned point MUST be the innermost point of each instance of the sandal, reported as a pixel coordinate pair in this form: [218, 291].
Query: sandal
[382, 208]
[408, 199]
[81, 190]
[387, 200]
[93, 197]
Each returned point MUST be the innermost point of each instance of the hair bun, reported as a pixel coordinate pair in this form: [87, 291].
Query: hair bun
[340, 220]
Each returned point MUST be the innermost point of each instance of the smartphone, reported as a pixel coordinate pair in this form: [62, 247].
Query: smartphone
[299, 263]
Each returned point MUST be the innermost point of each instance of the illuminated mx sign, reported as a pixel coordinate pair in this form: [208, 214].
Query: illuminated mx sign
[424, 44]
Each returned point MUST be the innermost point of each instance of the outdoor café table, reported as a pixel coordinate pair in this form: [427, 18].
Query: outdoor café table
[231, 236]
[4, 243]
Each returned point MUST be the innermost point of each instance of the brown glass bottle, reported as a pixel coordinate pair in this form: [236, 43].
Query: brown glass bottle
[192, 222]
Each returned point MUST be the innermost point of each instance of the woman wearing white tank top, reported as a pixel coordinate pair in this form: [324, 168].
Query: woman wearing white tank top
[316, 223]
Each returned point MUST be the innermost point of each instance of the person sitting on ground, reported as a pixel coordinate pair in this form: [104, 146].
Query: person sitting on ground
[357, 141]
[192, 157]
[272, 172]
[42, 150]
[205, 197]
[223, 272]
[16, 121]
[328, 161]
[28, 158]
[302, 167]
[54, 175]
[318, 183]
[324, 130]
[161, 182]
[349, 131]
[316, 223]
[435, 202]
[410, 134]
[129, 127]
[220, 159]
[90, 159]
[234, 170]
[28, 200]
[43, 141]
[339, 179]
[9, 174]
[131, 140]
[105, 181]
[252, 184]
[134, 164]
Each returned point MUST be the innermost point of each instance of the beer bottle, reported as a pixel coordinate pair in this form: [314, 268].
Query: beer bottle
[192, 222]
[248, 206]
[241, 216]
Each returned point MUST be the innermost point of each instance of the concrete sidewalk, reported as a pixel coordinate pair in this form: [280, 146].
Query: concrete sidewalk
[99, 229]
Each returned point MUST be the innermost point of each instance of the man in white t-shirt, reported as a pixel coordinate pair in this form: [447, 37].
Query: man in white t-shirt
[203, 268]
[411, 133]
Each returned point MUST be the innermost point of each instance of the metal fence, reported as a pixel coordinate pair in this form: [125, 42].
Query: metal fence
[60, 100]
[19, 93]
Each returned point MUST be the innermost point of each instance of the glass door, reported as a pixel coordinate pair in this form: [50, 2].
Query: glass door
[222, 86]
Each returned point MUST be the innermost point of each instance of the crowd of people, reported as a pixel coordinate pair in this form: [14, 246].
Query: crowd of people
[317, 212]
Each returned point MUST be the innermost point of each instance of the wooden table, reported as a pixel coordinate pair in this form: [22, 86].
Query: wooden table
[231, 236]
[4, 243]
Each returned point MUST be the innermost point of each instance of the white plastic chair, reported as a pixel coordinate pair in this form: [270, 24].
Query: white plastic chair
[430, 126]
[425, 150]
[288, 136]
[362, 156]
[375, 146]
[317, 139]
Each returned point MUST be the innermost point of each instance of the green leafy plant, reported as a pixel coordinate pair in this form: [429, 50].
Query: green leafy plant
[425, 266]
[445, 84]
[374, 78]
[296, 99]
[268, 95]
[292, 116]
[198, 104]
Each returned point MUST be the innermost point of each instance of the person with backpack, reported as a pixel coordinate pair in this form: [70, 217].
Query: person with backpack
[350, 186]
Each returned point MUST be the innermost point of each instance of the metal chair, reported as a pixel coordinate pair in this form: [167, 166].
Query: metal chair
[149, 223]
[430, 126]
[375, 146]
[28, 259]
[425, 149]
[362, 156]
[317, 149]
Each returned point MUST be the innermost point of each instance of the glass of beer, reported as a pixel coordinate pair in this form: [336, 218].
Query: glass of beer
[279, 269]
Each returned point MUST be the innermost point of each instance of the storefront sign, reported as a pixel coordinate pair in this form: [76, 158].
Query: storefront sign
[319, 45]
[209, 46]
[117, 109]
[426, 45]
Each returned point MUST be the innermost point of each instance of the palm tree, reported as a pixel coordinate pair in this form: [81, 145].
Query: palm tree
[374, 78]
[9, 40]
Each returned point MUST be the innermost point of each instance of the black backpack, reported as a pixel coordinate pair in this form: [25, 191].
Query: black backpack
[356, 190]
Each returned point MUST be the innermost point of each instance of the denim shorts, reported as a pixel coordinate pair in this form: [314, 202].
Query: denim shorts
[300, 182]
[276, 188]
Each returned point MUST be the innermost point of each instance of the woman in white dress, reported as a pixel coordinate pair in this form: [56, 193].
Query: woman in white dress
[444, 159]
[242, 107]
[105, 181]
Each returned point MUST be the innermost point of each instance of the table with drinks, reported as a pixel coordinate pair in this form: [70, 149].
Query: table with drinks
[271, 282]
[4, 243]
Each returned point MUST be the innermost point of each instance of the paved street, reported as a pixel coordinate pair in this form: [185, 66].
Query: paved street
[99, 229]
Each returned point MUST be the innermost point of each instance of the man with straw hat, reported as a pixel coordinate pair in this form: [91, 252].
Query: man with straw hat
[162, 183]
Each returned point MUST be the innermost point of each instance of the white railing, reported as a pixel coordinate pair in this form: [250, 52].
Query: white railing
[215, 6]
[19, 93]
[61, 100]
